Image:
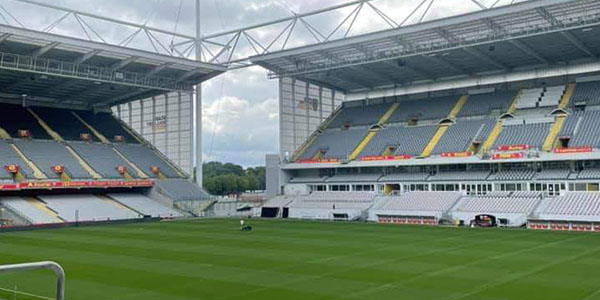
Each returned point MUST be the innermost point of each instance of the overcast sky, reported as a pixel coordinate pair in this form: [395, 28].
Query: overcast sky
[240, 107]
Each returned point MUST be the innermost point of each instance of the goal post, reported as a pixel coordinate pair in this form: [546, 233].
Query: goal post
[55, 267]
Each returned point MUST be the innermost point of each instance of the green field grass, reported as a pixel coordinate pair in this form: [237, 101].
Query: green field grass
[212, 259]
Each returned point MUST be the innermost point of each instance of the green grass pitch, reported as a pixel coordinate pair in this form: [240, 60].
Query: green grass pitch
[293, 260]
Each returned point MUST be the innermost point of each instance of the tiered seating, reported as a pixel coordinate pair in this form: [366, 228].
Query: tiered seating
[587, 131]
[86, 208]
[586, 92]
[491, 203]
[335, 143]
[363, 177]
[63, 122]
[334, 200]
[26, 210]
[552, 96]
[472, 175]
[145, 158]
[45, 154]
[359, 115]
[432, 204]
[484, 104]
[325, 205]
[424, 109]
[406, 139]
[403, 177]
[8, 156]
[512, 175]
[145, 205]
[570, 124]
[14, 118]
[102, 158]
[572, 206]
[589, 173]
[279, 201]
[107, 125]
[459, 136]
[553, 174]
[533, 135]
[529, 98]
[307, 179]
[180, 189]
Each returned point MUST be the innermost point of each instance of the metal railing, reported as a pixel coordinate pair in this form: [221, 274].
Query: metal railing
[55, 267]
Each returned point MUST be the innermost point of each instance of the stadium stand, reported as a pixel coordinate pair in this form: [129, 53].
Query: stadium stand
[63, 122]
[363, 177]
[331, 205]
[424, 109]
[78, 208]
[513, 207]
[589, 173]
[460, 136]
[307, 179]
[402, 177]
[553, 174]
[472, 175]
[15, 117]
[416, 204]
[359, 115]
[486, 104]
[335, 143]
[8, 156]
[144, 205]
[585, 134]
[570, 124]
[512, 175]
[102, 158]
[409, 140]
[145, 159]
[587, 93]
[27, 210]
[106, 125]
[180, 189]
[574, 206]
[533, 135]
[46, 154]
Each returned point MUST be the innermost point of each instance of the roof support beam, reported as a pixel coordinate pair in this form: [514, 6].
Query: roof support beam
[520, 45]
[42, 50]
[86, 56]
[474, 52]
[4, 37]
[359, 69]
[123, 63]
[566, 34]
[157, 69]
[438, 60]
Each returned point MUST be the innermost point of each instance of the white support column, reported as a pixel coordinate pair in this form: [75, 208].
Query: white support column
[198, 107]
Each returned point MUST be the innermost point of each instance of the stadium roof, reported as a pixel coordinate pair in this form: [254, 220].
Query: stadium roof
[45, 67]
[529, 35]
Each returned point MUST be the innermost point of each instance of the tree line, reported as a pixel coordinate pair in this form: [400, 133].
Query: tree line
[226, 178]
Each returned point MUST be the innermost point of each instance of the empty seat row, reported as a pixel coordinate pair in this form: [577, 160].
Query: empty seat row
[409, 140]
[533, 135]
[335, 143]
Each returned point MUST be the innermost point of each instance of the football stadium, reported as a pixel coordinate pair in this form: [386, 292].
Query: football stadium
[429, 156]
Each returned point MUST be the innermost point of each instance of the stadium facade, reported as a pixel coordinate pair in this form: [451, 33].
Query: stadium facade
[490, 115]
